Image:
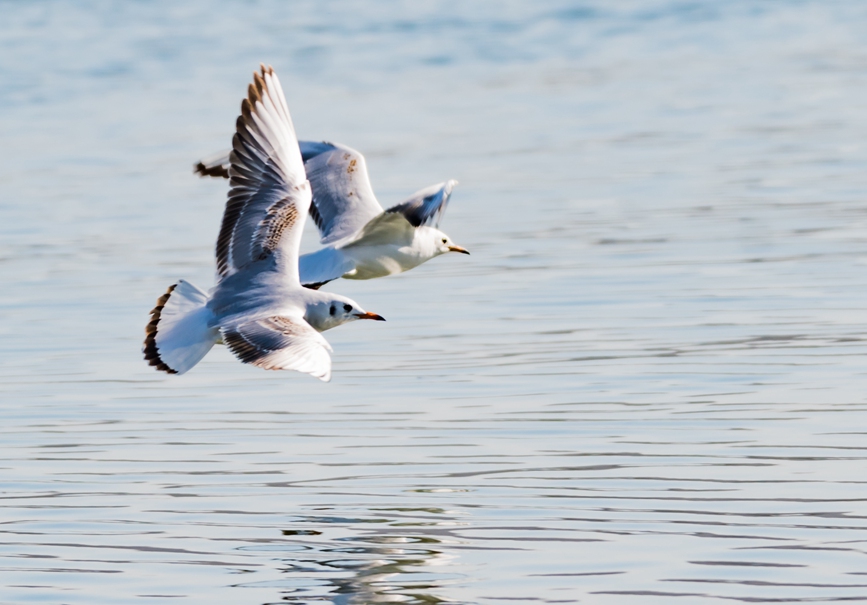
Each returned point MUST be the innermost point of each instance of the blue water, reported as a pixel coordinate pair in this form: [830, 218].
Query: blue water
[646, 382]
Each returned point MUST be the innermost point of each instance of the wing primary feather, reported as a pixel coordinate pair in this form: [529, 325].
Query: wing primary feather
[314, 214]
[278, 91]
[426, 206]
[254, 94]
[269, 196]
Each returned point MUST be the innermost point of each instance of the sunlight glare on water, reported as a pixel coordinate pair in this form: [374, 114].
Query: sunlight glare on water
[645, 383]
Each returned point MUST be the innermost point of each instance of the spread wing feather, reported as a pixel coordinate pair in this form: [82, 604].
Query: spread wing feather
[426, 206]
[217, 165]
[343, 200]
[280, 343]
[269, 194]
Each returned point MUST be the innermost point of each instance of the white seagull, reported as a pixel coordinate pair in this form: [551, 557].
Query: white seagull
[362, 241]
[258, 308]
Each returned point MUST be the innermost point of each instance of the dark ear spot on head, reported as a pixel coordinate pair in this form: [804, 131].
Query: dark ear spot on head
[445, 240]
[347, 308]
[332, 310]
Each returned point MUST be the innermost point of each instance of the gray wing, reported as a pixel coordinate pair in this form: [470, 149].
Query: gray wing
[310, 149]
[269, 195]
[217, 165]
[426, 206]
[387, 229]
[280, 343]
[343, 200]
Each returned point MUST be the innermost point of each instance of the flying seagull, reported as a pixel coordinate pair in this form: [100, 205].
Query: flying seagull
[258, 307]
[362, 241]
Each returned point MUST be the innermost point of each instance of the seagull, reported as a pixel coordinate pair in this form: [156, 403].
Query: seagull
[360, 239]
[258, 308]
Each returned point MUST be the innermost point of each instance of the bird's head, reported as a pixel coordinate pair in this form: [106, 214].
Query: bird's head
[336, 310]
[443, 243]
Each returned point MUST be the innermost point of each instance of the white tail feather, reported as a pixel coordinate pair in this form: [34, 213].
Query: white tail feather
[178, 336]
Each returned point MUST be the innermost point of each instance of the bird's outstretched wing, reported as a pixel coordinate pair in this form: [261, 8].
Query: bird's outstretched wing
[217, 165]
[396, 226]
[343, 200]
[269, 194]
[280, 343]
[426, 206]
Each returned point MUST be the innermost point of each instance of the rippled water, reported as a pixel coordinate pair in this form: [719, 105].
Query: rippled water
[647, 381]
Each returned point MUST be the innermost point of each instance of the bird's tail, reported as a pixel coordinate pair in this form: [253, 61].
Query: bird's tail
[178, 335]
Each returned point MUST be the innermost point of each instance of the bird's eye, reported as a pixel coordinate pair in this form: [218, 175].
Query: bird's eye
[333, 310]
[347, 308]
[445, 241]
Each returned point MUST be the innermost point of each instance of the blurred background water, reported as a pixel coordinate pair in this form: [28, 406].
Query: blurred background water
[646, 382]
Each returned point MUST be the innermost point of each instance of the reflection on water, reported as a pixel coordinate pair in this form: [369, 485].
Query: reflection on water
[371, 568]
[645, 383]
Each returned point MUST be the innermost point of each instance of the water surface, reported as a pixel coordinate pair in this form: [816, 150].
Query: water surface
[646, 382]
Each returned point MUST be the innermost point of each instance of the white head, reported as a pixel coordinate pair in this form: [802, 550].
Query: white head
[333, 310]
[438, 242]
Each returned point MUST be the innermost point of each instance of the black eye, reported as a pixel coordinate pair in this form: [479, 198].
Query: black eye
[445, 241]
[333, 310]
[347, 308]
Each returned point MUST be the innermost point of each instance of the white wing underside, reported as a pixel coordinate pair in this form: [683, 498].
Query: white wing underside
[280, 342]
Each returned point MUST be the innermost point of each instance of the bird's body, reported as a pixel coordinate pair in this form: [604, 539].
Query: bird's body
[258, 308]
[361, 240]
[371, 257]
[266, 293]
[373, 260]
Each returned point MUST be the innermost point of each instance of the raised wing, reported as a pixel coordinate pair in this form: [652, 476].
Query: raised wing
[269, 194]
[217, 165]
[426, 206]
[343, 200]
[280, 343]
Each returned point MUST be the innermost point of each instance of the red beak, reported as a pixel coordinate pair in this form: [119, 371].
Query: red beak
[370, 315]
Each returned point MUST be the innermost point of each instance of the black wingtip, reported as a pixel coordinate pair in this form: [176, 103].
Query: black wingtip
[150, 350]
[218, 171]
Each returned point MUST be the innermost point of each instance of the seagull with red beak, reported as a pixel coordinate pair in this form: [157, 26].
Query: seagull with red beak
[259, 308]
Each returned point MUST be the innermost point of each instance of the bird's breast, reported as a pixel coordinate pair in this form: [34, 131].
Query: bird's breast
[379, 261]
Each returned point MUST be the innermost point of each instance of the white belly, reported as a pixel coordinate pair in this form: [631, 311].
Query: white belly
[379, 261]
